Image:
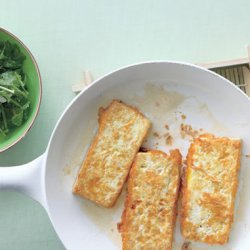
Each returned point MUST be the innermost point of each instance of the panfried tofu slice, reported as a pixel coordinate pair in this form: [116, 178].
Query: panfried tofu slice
[122, 129]
[209, 189]
[148, 219]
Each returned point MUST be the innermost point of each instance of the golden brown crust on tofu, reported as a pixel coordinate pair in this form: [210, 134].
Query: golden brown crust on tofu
[122, 129]
[149, 215]
[209, 189]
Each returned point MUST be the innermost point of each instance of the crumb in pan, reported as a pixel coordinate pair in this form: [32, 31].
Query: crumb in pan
[186, 246]
[187, 130]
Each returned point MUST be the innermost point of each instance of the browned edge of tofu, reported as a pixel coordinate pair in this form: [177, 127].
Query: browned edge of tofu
[124, 227]
[188, 230]
[101, 120]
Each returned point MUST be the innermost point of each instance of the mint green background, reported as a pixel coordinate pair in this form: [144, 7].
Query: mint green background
[67, 37]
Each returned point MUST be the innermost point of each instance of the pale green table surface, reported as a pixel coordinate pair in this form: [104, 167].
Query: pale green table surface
[68, 37]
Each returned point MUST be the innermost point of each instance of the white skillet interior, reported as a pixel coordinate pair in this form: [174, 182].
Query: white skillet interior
[163, 91]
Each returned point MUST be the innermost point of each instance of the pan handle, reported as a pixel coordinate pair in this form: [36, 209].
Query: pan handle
[27, 179]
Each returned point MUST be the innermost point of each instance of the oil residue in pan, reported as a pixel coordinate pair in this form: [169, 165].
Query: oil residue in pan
[106, 220]
[166, 109]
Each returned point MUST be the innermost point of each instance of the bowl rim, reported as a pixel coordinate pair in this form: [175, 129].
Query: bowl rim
[40, 90]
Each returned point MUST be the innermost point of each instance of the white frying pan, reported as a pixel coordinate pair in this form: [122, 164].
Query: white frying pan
[164, 91]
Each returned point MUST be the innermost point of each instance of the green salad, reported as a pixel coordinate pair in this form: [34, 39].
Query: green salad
[14, 96]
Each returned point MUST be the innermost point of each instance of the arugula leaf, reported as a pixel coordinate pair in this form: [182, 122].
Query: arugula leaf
[17, 118]
[10, 56]
[14, 96]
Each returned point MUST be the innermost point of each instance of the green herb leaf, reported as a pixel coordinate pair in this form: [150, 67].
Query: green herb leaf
[10, 56]
[14, 96]
[17, 118]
